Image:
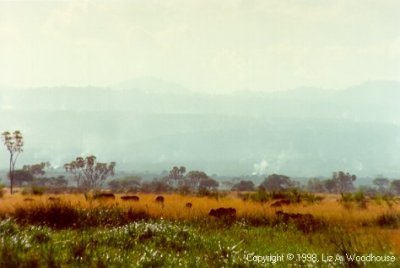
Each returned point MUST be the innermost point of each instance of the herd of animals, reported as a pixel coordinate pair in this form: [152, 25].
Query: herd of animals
[221, 212]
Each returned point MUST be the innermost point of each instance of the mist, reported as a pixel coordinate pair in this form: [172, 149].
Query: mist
[153, 126]
[233, 88]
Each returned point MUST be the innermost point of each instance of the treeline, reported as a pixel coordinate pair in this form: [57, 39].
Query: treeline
[198, 181]
[340, 182]
[177, 180]
[89, 174]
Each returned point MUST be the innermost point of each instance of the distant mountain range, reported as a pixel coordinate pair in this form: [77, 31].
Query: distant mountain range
[150, 124]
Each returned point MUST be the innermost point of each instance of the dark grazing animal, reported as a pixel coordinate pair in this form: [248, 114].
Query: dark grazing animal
[280, 203]
[160, 199]
[130, 198]
[188, 205]
[104, 196]
[223, 213]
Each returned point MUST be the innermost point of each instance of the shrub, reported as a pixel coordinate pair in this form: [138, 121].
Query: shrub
[210, 193]
[312, 198]
[391, 220]
[1, 190]
[25, 191]
[261, 195]
[61, 215]
[37, 190]
[360, 198]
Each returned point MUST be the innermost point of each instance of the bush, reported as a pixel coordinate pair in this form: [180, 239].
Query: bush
[360, 198]
[1, 190]
[312, 198]
[61, 215]
[261, 195]
[25, 191]
[210, 193]
[37, 190]
[391, 220]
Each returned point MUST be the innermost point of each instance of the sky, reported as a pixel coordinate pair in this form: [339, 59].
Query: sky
[209, 46]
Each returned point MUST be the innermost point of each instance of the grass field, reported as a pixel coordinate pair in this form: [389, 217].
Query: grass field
[75, 231]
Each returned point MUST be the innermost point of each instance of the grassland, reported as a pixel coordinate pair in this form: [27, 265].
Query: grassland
[76, 232]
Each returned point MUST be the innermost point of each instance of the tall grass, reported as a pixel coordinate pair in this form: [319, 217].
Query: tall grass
[328, 209]
[75, 232]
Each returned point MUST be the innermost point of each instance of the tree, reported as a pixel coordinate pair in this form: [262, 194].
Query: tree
[37, 169]
[130, 183]
[53, 182]
[155, 186]
[22, 176]
[315, 185]
[395, 186]
[382, 183]
[88, 172]
[243, 186]
[208, 184]
[276, 182]
[193, 178]
[14, 143]
[344, 181]
[176, 176]
[330, 185]
[75, 167]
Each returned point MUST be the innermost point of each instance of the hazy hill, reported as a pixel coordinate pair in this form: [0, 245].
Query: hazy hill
[149, 124]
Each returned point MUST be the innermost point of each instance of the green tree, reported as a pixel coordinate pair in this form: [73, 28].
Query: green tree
[176, 175]
[344, 181]
[37, 170]
[14, 143]
[395, 186]
[276, 182]
[382, 183]
[21, 177]
[52, 182]
[316, 185]
[193, 178]
[75, 168]
[130, 183]
[155, 186]
[243, 186]
[208, 184]
[330, 185]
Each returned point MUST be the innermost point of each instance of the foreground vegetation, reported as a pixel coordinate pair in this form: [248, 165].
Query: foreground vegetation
[160, 243]
[74, 230]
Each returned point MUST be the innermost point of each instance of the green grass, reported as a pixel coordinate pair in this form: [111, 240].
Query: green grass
[160, 243]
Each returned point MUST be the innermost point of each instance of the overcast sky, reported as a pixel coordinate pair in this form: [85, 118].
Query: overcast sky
[204, 45]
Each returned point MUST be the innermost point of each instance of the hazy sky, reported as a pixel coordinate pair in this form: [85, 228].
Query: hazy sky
[203, 45]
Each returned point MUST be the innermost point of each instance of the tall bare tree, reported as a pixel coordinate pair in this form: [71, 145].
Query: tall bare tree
[14, 143]
[88, 172]
[75, 168]
[176, 176]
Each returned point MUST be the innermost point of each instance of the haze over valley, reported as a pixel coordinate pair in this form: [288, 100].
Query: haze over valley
[148, 124]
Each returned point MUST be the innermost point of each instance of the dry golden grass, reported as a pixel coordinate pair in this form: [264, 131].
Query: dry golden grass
[174, 206]
[329, 209]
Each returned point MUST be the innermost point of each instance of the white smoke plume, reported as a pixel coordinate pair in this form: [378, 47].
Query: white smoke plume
[260, 168]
